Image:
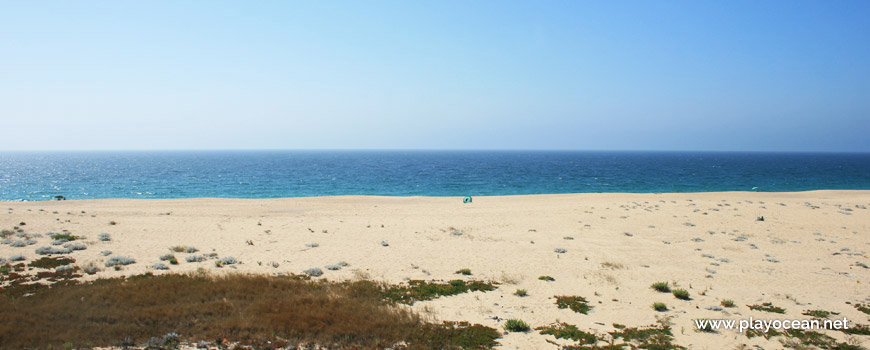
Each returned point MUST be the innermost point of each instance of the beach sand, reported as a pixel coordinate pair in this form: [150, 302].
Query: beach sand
[807, 254]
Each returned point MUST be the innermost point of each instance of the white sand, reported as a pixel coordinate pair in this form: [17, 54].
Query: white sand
[511, 239]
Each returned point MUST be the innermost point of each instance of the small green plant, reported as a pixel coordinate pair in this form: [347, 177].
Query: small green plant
[466, 272]
[727, 303]
[516, 325]
[575, 303]
[65, 236]
[681, 294]
[178, 249]
[569, 331]
[659, 306]
[173, 261]
[821, 314]
[767, 307]
[863, 308]
[521, 293]
[661, 287]
[546, 278]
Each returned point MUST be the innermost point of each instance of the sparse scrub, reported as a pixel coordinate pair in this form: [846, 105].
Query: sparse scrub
[313, 272]
[194, 258]
[65, 268]
[659, 306]
[286, 309]
[18, 244]
[166, 257]
[75, 246]
[662, 287]
[546, 278]
[727, 303]
[767, 307]
[466, 272]
[569, 331]
[160, 266]
[516, 325]
[575, 303]
[228, 260]
[104, 237]
[50, 263]
[65, 236]
[681, 294]
[521, 293]
[333, 267]
[52, 251]
[119, 261]
[417, 290]
[190, 250]
[17, 258]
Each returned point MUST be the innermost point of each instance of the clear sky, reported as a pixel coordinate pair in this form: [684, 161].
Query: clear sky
[587, 75]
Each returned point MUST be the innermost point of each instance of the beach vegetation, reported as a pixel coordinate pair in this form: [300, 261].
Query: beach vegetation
[50, 263]
[727, 303]
[569, 331]
[194, 258]
[659, 306]
[104, 237]
[521, 293]
[313, 272]
[681, 294]
[662, 287]
[287, 310]
[820, 314]
[546, 278]
[516, 325]
[119, 261]
[577, 304]
[865, 308]
[767, 307]
[466, 272]
[68, 237]
[418, 290]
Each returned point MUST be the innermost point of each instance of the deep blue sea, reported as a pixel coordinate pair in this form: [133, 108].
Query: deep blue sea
[267, 174]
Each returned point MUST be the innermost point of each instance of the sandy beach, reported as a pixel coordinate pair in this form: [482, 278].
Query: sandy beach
[809, 253]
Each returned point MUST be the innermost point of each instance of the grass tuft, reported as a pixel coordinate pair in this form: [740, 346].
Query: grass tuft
[659, 306]
[662, 287]
[466, 272]
[681, 294]
[516, 325]
[727, 303]
[521, 293]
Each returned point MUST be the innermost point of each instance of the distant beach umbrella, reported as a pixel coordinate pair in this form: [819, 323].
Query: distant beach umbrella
[467, 199]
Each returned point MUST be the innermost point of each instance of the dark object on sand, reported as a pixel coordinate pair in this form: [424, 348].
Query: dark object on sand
[760, 218]
[467, 199]
[60, 198]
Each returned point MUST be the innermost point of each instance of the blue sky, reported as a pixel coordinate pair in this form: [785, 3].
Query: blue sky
[587, 75]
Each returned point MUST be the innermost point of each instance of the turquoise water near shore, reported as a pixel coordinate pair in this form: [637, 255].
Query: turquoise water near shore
[271, 174]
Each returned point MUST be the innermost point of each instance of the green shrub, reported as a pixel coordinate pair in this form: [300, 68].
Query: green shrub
[546, 278]
[521, 293]
[575, 303]
[466, 272]
[681, 294]
[659, 306]
[727, 303]
[661, 287]
[515, 325]
[569, 331]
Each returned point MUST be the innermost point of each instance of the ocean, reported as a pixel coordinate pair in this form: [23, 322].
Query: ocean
[33, 176]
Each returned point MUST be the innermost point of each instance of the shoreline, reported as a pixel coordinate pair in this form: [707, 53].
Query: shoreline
[807, 254]
[454, 196]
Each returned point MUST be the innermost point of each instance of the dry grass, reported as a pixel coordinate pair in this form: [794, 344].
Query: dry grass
[234, 307]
